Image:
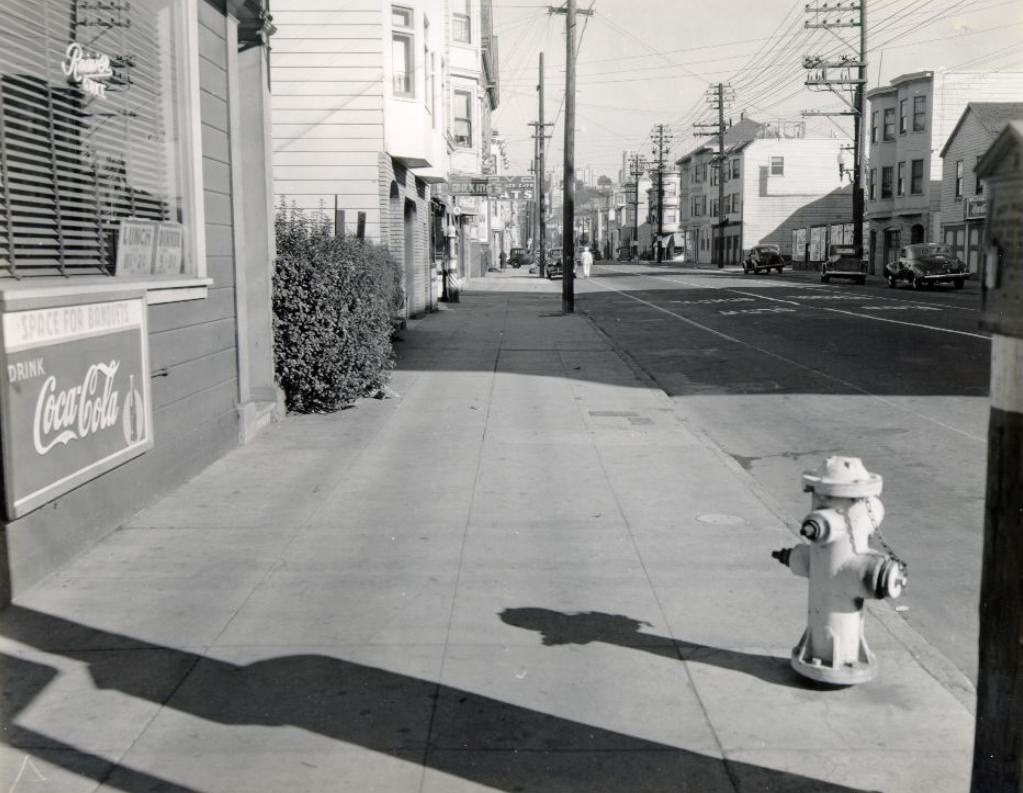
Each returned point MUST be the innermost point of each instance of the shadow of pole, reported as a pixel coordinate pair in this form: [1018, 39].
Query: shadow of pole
[454, 731]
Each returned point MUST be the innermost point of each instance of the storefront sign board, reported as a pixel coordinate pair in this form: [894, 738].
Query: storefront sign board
[136, 245]
[170, 246]
[75, 400]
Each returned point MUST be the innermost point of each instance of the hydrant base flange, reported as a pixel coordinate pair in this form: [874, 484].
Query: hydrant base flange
[849, 673]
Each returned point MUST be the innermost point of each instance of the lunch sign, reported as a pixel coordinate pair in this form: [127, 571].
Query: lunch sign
[76, 398]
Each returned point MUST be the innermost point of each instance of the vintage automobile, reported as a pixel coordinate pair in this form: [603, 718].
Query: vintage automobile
[763, 258]
[926, 264]
[519, 257]
[844, 261]
[553, 263]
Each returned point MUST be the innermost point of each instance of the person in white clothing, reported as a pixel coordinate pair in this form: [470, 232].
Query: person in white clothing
[587, 260]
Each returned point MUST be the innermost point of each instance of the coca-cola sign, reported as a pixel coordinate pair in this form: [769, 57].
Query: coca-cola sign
[76, 397]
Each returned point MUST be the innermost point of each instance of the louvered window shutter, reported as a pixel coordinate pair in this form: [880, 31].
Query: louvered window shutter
[74, 164]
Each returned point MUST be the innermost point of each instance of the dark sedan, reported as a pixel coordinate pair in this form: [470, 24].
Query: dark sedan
[763, 258]
[926, 264]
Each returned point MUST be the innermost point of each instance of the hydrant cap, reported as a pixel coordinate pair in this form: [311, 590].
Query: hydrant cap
[845, 477]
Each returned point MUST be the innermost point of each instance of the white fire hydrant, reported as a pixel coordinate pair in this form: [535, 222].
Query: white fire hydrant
[842, 570]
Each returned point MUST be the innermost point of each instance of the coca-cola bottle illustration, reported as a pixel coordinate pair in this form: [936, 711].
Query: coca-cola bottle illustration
[132, 421]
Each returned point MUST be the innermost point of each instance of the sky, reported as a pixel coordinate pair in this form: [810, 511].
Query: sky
[647, 62]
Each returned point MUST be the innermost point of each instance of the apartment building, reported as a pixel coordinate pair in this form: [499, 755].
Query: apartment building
[665, 224]
[375, 105]
[637, 231]
[908, 122]
[776, 181]
[963, 204]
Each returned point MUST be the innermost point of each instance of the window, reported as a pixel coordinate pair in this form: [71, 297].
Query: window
[714, 207]
[959, 179]
[916, 177]
[462, 112]
[428, 65]
[106, 140]
[886, 182]
[461, 22]
[900, 179]
[872, 184]
[919, 113]
[873, 127]
[903, 119]
[978, 185]
[735, 168]
[889, 123]
[713, 176]
[402, 58]
[777, 166]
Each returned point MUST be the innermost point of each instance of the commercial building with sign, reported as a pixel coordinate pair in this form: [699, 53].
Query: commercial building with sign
[135, 260]
[908, 120]
[963, 203]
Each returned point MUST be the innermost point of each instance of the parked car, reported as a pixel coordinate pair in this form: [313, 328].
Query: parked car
[844, 261]
[519, 257]
[926, 264]
[553, 263]
[763, 258]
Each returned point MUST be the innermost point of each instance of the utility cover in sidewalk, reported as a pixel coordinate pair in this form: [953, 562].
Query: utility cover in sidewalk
[717, 519]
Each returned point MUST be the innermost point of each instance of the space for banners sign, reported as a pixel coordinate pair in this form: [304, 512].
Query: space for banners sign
[76, 398]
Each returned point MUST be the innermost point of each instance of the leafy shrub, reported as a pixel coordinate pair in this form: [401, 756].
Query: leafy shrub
[334, 305]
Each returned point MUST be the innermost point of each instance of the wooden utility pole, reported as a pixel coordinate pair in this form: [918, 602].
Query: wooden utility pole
[717, 96]
[721, 163]
[661, 138]
[568, 194]
[834, 75]
[998, 736]
[637, 169]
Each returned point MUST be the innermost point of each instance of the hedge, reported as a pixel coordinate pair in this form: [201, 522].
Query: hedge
[334, 305]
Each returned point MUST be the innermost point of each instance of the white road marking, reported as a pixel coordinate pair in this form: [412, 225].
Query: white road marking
[852, 386]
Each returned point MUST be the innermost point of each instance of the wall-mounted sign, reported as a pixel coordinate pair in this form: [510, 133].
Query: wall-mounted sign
[974, 208]
[503, 187]
[87, 71]
[75, 398]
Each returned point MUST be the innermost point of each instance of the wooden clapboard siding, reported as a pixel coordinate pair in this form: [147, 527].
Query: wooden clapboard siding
[194, 401]
[809, 193]
[328, 106]
[195, 342]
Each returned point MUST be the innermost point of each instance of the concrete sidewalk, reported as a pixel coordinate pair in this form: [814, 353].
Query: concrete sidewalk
[525, 573]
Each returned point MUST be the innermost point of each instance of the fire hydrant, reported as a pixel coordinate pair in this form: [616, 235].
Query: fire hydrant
[842, 570]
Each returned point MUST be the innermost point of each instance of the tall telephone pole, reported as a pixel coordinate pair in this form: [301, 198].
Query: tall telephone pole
[540, 136]
[637, 168]
[822, 77]
[661, 137]
[717, 96]
[568, 195]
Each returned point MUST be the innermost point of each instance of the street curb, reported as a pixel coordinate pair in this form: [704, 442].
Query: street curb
[930, 658]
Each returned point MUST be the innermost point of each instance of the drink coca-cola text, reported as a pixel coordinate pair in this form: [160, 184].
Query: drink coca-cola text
[69, 414]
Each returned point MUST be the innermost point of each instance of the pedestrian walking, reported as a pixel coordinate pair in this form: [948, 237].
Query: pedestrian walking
[587, 259]
[503, 258]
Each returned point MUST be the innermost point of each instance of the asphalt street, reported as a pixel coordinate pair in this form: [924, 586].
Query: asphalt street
[781, 371]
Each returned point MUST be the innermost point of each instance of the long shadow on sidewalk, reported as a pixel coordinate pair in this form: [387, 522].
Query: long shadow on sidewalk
[557, 628]
[458, 732]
